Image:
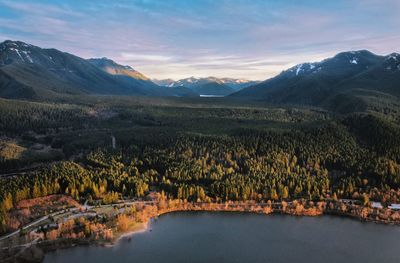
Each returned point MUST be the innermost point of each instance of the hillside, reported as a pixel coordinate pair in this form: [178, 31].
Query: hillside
[129, 77]
[343, 83]
[113, 68]
[30, 71]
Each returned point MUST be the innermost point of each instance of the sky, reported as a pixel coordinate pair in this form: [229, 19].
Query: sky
[253, 39]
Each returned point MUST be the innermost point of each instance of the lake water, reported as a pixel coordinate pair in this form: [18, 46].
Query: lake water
[237, 237]
[211, 96]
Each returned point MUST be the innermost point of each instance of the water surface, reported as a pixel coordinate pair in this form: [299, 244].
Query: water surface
[237, 237]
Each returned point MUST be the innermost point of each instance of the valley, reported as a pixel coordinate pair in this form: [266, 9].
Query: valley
[90, 149]
[199, 131]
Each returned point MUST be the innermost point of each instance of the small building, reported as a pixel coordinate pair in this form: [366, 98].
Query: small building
[394, 206]
[376, 205]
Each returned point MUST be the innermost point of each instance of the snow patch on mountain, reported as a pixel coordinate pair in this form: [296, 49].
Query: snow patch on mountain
[17, 51]
[305, 68]
[354, 61]
[27, 56]
[299, 69]
[394, 56]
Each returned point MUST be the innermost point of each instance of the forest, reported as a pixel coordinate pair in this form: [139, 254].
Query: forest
[208, 151]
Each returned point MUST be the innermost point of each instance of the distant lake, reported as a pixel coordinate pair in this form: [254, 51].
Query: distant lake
[237, 237]
[211, 96]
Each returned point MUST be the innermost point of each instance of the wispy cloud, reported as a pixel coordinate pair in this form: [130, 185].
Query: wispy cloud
[35, 8]
[249, 39]
[144, 57]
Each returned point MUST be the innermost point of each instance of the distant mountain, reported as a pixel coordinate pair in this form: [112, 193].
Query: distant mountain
[164, 82]
[27, 71]
[236, 84]
[342, 83]
[347, 82]
[208, 86]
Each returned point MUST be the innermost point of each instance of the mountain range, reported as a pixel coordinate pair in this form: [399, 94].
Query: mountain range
[28, 71]
[347, 82]
[46, 72]
[208, 86]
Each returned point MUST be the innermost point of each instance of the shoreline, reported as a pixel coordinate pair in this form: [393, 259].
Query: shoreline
[274, 212]
[136, 227]
[144, 228]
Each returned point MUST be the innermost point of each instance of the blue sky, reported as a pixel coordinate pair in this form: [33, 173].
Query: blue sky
[223, 38]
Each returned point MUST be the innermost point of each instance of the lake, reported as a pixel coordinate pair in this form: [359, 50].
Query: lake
[238, 237]
[211, 96]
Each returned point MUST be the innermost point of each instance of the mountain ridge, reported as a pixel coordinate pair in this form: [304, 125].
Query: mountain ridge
[347, 75]
[236, 84]
[208, 85]
[52, 71]
[346, 82]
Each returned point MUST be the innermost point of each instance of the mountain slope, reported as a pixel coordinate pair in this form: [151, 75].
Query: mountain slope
[346, 79]
[12, 89]
[49, 71]
[113, 68]
[54, 70]
[129, 77]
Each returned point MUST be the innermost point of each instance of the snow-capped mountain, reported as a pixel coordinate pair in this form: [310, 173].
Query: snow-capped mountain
[201, 86]
[15, 51]
[346, 77]
[235, 84]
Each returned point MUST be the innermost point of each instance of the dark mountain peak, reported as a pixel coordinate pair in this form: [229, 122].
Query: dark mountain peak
[392, 62]
[15, 44]
[359, 57]
[340, 63]
[356, 53]
[16, 51]
[393, 56]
